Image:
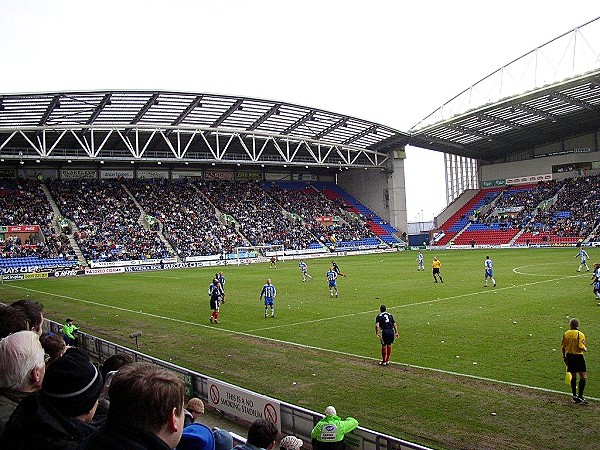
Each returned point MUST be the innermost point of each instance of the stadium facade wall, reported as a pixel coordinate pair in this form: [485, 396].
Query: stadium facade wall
[382, 191]
[540, 160]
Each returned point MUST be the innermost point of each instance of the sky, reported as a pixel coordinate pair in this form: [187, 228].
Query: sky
[390, 62]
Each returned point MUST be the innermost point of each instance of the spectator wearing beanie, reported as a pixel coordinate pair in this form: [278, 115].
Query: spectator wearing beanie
[196, 436]
[291, 443]
[223, 439]
[58, 416]
[193, 410]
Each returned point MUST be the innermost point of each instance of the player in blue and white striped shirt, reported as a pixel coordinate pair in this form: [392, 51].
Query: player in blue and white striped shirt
[489, 271]
[304, 270]
[269, 292]
[332, 280]
[583, 261]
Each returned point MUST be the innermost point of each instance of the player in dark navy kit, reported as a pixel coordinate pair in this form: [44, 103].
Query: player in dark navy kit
[337, 270]
[386, 330]
[215, 292]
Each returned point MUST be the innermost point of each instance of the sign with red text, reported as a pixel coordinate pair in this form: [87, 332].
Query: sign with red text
[243, 404]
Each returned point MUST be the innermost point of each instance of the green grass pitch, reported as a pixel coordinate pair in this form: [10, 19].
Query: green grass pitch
[474, 367]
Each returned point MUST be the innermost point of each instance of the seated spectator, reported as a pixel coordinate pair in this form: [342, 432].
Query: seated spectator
[68, 331]
[262, 434]
[291, 443]
[196, 436]
[328, 433]
[34, 312]
[108, 370]
[193, 410]
[21, 372]
[223, 439]
[54, 346]
[12, 320]
[146, 410]
[58, 416]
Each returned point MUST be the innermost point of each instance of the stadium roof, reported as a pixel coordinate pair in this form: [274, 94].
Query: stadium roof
[149, 126]
[493, 132]
[547, 95]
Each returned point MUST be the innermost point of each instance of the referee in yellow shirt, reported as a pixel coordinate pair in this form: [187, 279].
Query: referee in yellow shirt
[573, 346]
[436, 269]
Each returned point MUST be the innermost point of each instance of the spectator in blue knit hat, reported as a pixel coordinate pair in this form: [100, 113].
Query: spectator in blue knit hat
[196, 436]
[223, 439]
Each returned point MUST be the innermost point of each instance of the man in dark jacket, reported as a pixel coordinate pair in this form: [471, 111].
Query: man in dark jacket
[22, 370]
[58, 416]
[145, 412]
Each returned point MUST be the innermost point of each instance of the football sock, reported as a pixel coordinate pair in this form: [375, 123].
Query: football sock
[389, 352]
[581, 386]
[574, 386]
[383, 353]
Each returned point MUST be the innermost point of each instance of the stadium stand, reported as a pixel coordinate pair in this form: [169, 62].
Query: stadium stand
[24, 206]
[107, 221]
[548, 213]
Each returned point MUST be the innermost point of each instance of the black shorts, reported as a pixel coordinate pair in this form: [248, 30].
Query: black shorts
[575, 363]
[387, 338]
[214, 304]
[436, 270]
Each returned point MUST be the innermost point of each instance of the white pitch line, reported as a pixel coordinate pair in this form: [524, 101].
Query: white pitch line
[326, 350]
[407, 305]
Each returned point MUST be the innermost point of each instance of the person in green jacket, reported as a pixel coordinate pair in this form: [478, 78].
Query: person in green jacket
[68, 332]
[328, 433]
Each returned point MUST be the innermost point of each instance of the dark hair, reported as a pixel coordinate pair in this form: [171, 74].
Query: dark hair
[382, 308]
[12, 320]
[54, 346]
[262, 433]
[143, 396]
[32, 310]
[115, 362]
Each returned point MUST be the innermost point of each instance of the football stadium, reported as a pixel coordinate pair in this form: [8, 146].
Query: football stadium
[161, 222]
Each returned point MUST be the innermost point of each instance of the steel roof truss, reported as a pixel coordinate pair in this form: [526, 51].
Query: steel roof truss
[228, 112]
[537, 112]
[262, 149]
[101, 146]
[231, 137]
[327, 153]
[506, 123]
[84, 144]
[573, 101]
[245, 147]
[292, 156]
[311, 152]
[278, 148]
[38, 150]
[344, 158]
[207, 144]
[7, 140]
[356, 137]
[305, 118]
[273, 110]
[168, 142]
[49, 109]
[128, 143]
